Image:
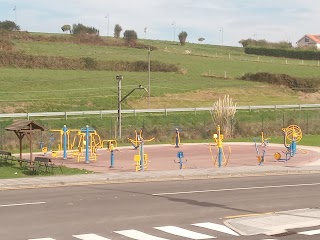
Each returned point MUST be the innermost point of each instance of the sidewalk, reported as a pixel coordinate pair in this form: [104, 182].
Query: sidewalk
[200, 166]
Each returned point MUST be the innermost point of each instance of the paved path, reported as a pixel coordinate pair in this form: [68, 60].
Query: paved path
[242, 163]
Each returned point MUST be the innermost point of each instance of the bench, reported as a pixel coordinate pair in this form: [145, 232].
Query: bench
[43, 164]
[5, 156]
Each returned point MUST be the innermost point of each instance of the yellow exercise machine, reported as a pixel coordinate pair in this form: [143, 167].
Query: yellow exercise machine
[293, 134]
[141, 159]
[220, 160]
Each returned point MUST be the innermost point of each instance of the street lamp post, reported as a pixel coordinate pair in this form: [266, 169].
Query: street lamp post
[119, 78]
[174, 31]
[15, 14]
[221, 30]
[149, 75]
[107, 16]
[120, 100]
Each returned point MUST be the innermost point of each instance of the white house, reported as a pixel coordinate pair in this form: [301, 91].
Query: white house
[309, 40]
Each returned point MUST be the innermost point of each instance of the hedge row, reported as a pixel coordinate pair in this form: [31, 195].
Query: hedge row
[89, 39]
[297, 84]
[285, 53]
[21, 60]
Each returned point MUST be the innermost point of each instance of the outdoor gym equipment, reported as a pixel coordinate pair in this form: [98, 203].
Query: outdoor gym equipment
[181, 162]
[260, 158]
[220, 160]
[293, 134]
[141, 160]
[264, 141]
[177, 138]
[136, 142]
[46, 149]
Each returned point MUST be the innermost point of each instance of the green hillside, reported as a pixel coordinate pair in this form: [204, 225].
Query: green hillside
[32, 90]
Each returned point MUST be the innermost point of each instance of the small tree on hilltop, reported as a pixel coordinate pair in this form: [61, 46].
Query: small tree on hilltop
[65, 28]
[130, 37]
[9, 25]
[117, 30]
[183, 37]
[223, 112]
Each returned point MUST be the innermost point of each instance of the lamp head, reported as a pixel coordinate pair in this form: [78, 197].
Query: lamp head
[119, 77]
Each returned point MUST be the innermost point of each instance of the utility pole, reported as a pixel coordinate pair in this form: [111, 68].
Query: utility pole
[149, 75]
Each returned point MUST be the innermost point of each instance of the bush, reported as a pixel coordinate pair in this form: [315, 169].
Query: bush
[297, 84]
[89, 63]
[81, 29]
[9, 25]
[130, 37]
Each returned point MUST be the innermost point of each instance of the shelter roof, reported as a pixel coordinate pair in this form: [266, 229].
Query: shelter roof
[24, 125]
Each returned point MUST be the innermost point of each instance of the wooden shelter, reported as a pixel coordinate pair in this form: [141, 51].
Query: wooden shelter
[24, 128]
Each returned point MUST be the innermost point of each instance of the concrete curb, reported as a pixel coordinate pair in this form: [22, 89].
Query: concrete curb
[132, 177]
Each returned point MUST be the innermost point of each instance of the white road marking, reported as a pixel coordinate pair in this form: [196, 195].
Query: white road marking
[216, 227]
[41, 239]
[90, 237]
[134, 234]
[22, 204]
[310, 233]
[237, 189]
[184, 232]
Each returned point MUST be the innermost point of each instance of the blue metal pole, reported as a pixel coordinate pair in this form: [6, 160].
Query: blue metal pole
[294, 147]
[177, 138]
[87, 144]
[111, 148]
[65, 129]
[112, 159]
[220, 157]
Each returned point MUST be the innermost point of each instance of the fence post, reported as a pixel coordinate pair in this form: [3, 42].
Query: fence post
[28, 116]
[100, 114]
[65, 115]
[225, 74]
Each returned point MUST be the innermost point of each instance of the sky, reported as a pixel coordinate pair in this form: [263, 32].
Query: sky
[220, 22]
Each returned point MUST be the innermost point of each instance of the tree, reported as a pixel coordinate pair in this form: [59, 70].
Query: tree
[182, 37]
[117, 30]
[81, 29]
[131, 37]
[65, 28]
[9, 25]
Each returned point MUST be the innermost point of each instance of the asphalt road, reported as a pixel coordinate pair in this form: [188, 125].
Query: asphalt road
[161, 209]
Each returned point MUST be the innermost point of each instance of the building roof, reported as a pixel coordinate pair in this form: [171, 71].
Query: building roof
[313, 37]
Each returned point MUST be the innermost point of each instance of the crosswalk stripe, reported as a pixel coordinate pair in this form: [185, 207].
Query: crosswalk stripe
[134, 234]
[310, 233]
[41, 239]
[90, 237]
[184, 233]
[216, 227]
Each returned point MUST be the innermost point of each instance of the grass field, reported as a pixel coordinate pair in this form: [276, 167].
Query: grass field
[12, 170]
[32, 90]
